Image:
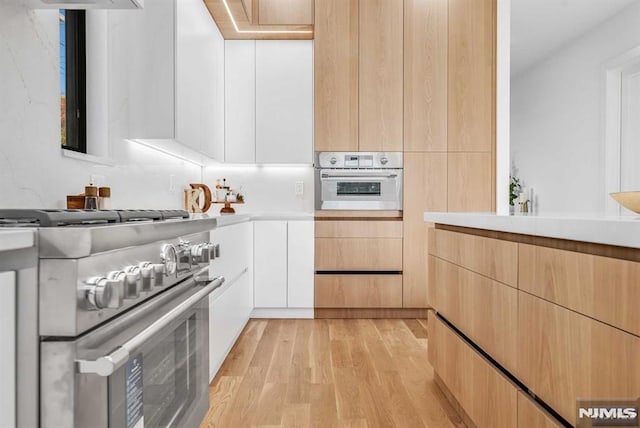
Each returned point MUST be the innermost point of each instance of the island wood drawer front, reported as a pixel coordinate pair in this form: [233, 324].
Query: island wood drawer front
[358, 229]
[494, 258]
[486, 395]
[563, 356]
[358, 254]
[603, 288]
[358, 291]
[485, 311]
[532, 415]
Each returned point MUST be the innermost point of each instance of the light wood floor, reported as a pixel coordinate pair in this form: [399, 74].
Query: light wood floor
[329, 373]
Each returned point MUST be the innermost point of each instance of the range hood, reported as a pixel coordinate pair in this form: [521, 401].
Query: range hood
[86, 4]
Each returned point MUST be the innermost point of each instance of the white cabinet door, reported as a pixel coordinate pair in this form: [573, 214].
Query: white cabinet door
[141, 70]
[240, 101]
[212, 64]
[300, 264]
[8, 352]
[284, 101]
[270, 264]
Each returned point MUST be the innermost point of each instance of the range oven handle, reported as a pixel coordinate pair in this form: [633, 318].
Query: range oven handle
[367, 177]
[108, 364]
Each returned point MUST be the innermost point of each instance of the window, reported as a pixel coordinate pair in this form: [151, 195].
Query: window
[73, 75]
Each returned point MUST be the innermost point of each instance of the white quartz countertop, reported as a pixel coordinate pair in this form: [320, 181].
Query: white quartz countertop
[230, 219]
[600, 229]
[16, 239]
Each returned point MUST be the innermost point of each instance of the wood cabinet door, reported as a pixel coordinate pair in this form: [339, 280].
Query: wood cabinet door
[563, 356]
[336, 75]
[358, 291]
[381, 75]
[425, 75]
[531, 415]
[425, 189]
[358, 254]
[285, 12]
[471, 88]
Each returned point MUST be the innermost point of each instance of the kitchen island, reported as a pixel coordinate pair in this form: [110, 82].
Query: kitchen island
[533, 313]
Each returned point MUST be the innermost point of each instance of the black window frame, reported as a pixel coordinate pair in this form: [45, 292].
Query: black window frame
[76, 80]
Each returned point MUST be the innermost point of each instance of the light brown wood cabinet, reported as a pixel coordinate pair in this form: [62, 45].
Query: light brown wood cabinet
[425, 178]
[494, 258]
[486, 311]
[603, 288]
[336, 50]
[487, 396]
[381, 75]
[563, 356]
[358, 291]
[425, 75]
[532, 415]
[358, 254]
[470, 181]
[358, 229]
[285, 12]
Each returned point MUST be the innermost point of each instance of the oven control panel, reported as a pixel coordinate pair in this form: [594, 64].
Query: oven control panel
[359, 160]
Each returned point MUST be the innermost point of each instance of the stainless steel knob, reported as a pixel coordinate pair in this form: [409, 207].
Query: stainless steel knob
[333, 160]
[200, 254]
[384, 160]
[102, 293]
[133, 282]
[120, 278]
[158, 274]
[169, 256]
[146, 275]
[216, 250]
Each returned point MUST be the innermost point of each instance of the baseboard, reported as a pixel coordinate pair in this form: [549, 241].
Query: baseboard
[370, 313]
[282, 313]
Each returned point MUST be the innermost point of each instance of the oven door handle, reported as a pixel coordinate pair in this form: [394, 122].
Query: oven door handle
[368, 177]
[108, 364]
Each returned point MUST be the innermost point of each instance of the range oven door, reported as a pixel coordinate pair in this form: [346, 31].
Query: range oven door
[148, 368]
[360, 189]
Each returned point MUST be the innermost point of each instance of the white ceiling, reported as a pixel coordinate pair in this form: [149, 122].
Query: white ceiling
[540, 27]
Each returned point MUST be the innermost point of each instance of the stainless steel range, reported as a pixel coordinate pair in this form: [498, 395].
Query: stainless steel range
[123, 316]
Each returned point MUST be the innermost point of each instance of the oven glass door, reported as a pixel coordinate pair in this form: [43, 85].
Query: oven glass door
[158, 386]
[361, 189]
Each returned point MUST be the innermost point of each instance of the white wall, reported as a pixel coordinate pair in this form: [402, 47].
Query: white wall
[33, 173]
[557, 118]
[267, 188]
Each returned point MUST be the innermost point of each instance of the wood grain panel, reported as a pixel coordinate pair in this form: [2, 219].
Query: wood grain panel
[358, 291]
[372, 313]
[563, 356]
[425, 75]
[381, 75]
[604, 288]
[531, 415]
[249, 30]
[471, 70]
[494, 258]
[486, 396]
[469, 182]
[425, 189]
[358, 229]
[484, 310]
[358, 214]
[285, 12]
[336, 75]
[359, 254]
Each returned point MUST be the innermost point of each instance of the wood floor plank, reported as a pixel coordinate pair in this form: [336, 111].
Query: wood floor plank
[329, 373]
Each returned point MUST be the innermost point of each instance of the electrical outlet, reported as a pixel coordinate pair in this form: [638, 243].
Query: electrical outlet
[172, 182]
[299, 188]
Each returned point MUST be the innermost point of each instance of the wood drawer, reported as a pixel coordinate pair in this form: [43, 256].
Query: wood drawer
[494, 258]
[604, 288]
[486, 311]
[486, 395]
[358, 229]
[531, 415]
[358, 291]
[358, 254]
[563, 356]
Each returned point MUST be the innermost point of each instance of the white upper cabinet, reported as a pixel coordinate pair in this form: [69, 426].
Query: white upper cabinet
[240, 101]
[141, 70]
[284, 101]
[199, 80]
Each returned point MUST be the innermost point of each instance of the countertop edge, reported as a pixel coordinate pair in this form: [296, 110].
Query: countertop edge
[231, 219]
[11, 240]
[614, 231]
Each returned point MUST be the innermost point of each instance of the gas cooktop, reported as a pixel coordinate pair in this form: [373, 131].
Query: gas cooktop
[60, 217]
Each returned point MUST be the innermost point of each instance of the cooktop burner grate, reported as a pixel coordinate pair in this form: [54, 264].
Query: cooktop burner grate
[61, 217]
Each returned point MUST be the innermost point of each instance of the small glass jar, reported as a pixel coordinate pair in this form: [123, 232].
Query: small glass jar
[90, 198]
[104, 198]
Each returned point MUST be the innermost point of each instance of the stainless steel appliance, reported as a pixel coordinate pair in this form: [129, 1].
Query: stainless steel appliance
[123, 316]
[358, 181]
